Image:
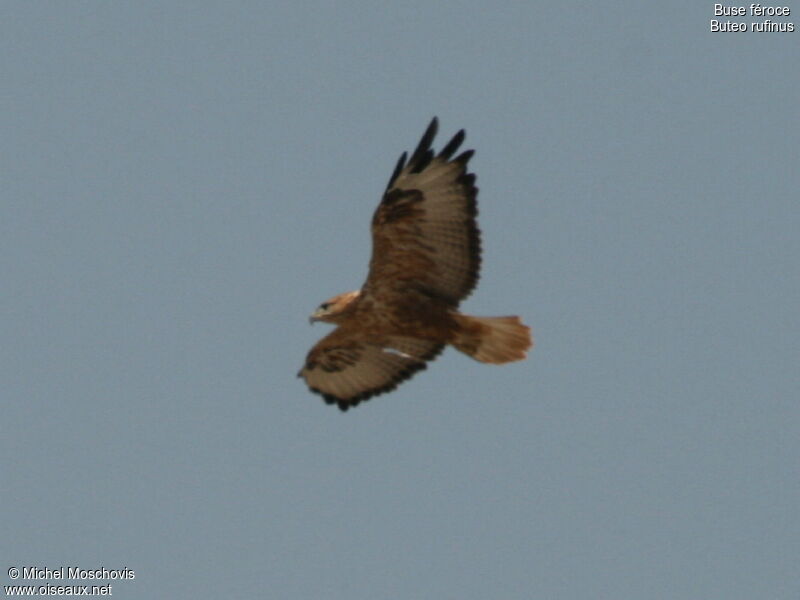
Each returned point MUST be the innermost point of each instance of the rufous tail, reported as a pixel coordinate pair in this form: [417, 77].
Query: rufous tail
[492, 339]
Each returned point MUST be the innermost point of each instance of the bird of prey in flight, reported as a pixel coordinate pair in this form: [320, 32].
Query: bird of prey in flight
[426, 254]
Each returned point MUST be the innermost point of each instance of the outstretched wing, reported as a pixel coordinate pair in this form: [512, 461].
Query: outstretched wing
[425, 239]
[345, 371]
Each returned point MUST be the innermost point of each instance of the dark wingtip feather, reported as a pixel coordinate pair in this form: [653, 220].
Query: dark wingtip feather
[453, 145]
[399, 167]
[464, 157]
[423, 154]
[430, 133]
[427, 138]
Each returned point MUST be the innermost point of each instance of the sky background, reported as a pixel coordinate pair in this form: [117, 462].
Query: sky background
[182, 183]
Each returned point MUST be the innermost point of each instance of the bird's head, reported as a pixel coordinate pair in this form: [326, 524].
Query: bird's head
[334, 309]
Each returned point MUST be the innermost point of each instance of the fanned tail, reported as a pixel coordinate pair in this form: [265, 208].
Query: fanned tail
[494, 340]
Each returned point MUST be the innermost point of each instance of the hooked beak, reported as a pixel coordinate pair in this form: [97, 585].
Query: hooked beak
[315, 316]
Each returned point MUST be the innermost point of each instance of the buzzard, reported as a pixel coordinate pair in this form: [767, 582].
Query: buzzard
[426, 254]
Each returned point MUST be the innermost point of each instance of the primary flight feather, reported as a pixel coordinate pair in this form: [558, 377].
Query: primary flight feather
[426, 255]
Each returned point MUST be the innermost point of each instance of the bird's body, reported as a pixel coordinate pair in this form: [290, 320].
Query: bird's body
[425, 260]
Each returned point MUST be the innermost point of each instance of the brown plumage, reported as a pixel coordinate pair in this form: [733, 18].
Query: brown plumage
[425, 260]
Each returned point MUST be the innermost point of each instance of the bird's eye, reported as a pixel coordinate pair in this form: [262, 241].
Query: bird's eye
[324, 306]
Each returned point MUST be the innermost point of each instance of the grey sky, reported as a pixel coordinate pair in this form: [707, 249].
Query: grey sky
[182, 183]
